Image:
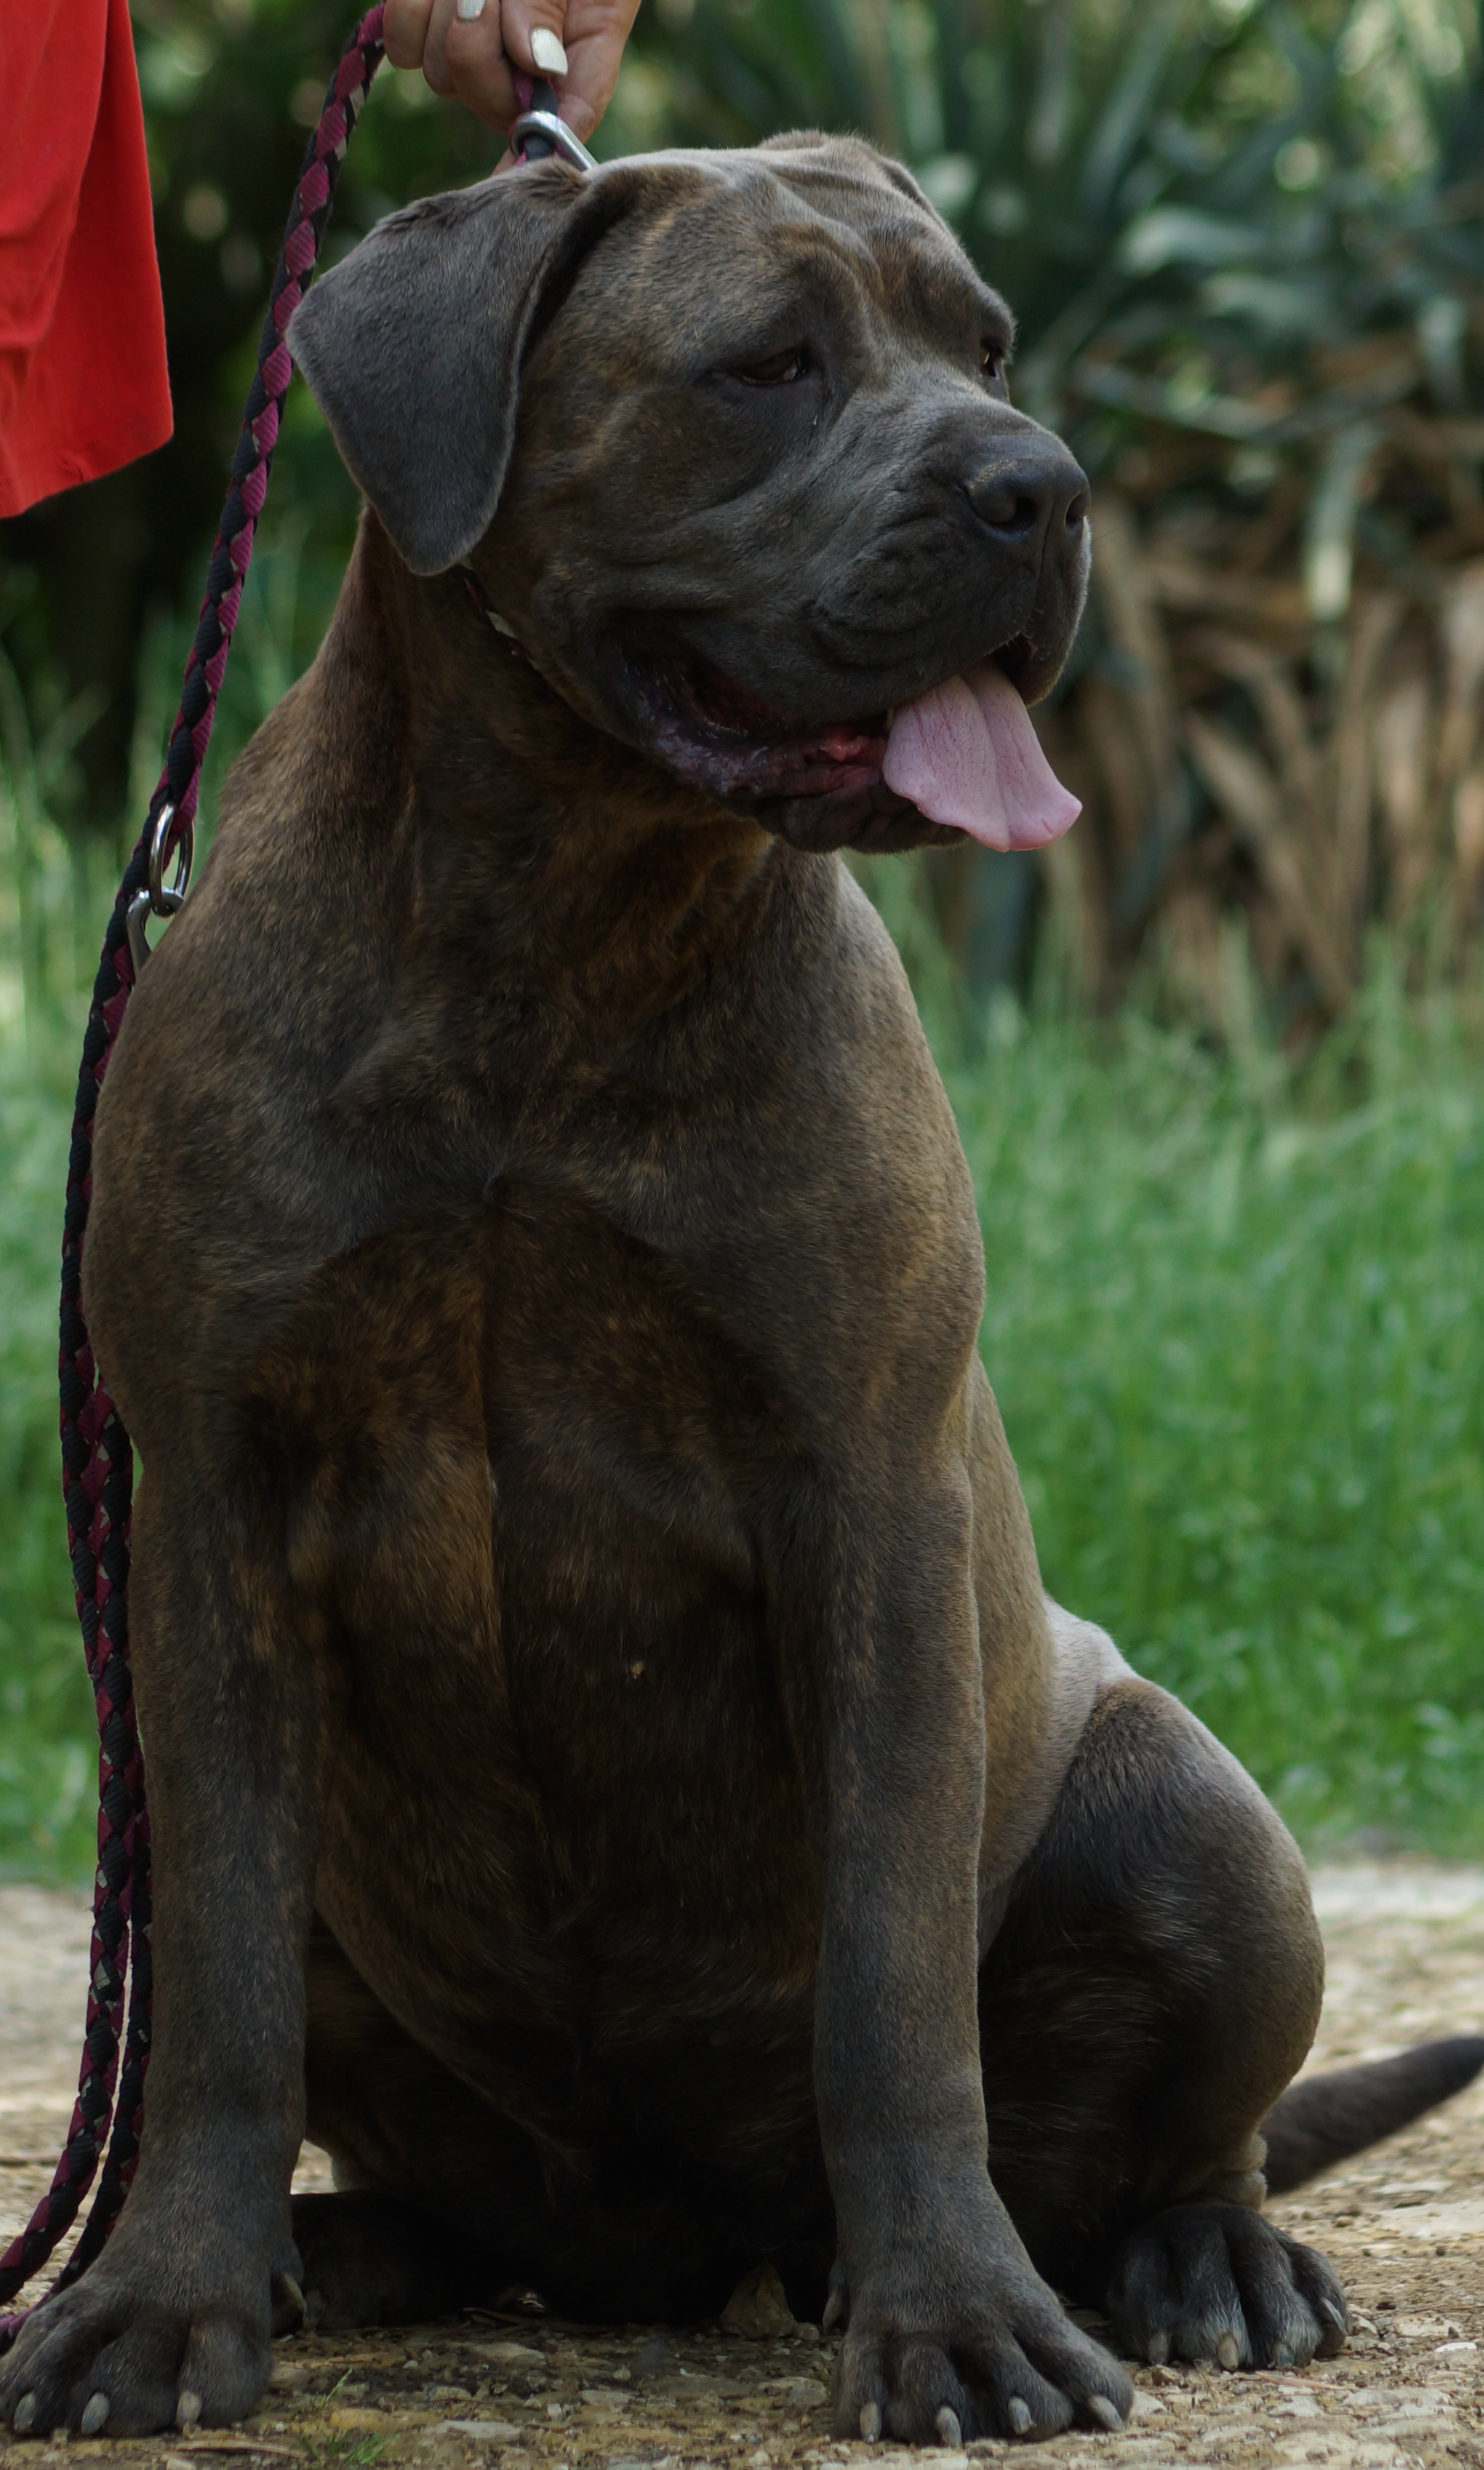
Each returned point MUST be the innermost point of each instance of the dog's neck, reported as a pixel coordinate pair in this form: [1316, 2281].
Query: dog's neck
[557, 856]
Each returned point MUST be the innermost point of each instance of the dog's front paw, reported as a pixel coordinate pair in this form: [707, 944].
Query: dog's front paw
[116, 2357]
[1003, 2361]
[1218, 2285]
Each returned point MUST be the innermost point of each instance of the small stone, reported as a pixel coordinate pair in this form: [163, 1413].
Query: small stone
[758, 2308]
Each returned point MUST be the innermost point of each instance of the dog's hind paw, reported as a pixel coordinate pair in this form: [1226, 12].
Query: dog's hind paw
[369, 2259]
[1218, 2284]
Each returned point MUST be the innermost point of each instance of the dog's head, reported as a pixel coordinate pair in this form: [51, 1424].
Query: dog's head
[727, 439]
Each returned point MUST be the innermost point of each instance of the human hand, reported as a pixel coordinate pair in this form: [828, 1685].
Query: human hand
[475, 56]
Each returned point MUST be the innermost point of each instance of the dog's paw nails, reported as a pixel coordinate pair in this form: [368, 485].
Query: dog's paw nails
[870, 2421]
[95, 2419]
[25, 2414]
[949, 2432]
[1019, 2415]
[1106, 2413]
[188, 2409]
[1228, 2351]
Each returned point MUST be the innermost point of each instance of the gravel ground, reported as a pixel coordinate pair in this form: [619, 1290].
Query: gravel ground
[1405, 2225]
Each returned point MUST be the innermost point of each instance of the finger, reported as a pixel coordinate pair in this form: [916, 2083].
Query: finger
[474, 59]
[532, 34]
[405, 31]
[435, 64]
[595, 35]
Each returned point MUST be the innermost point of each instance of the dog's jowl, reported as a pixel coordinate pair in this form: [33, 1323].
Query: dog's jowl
[617, 1781]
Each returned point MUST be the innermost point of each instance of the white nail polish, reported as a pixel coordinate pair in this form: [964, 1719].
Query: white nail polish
[468, 11]
[547, 51]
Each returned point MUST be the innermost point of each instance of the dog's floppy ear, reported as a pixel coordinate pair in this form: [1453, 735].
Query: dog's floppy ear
[412, 347]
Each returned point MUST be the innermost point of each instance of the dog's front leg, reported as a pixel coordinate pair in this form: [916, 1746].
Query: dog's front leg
[171, 2324]
[951, 2331]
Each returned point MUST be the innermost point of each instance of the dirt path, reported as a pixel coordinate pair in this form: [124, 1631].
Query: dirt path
[1405, 2225]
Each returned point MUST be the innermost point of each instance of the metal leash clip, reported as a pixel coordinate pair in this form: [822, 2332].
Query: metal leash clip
[542, 132]
[558, 137]
[160, 900]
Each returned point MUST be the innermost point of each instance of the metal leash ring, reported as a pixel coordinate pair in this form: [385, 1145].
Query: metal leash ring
[160, 900]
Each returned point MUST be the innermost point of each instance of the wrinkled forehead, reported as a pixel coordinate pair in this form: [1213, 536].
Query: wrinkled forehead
[730, 243]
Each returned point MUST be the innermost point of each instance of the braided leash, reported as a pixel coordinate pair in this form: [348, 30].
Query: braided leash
[98, 1469]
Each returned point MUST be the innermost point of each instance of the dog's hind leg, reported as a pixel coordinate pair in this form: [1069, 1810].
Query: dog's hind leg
[370, 2259]
[1154, 1984]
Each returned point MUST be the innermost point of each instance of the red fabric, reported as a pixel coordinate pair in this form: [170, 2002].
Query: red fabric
[82, 377]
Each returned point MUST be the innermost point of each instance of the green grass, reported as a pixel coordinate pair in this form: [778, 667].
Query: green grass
[1235, 1323]
[48, 1759]
[1238, 1343]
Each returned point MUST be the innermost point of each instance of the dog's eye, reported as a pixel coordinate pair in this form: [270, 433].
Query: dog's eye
[992, 363]
[779, 368]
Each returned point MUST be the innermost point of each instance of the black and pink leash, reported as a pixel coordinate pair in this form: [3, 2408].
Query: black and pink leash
[98, 1468]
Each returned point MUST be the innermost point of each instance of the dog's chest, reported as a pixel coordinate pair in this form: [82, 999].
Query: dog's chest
[563, 1711]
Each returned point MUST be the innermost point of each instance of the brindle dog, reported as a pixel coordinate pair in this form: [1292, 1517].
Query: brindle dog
[616, 1778]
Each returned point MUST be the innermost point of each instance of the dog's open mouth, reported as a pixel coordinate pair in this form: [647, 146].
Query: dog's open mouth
[964, 755]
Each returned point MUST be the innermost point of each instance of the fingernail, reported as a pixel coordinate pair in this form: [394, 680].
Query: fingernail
[469, 9]
[188, 2409]
[1157, 2350]
[949, 2432]
[546, 49]
[25, 2412]
[1019, 2414]
[1227, 2350]
[96, 2415]
[870, 2421]
[1106, 2413]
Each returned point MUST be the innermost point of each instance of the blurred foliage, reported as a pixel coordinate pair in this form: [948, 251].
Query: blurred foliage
[1184, 201]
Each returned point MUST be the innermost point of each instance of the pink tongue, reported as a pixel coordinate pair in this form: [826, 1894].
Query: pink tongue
[966, 753]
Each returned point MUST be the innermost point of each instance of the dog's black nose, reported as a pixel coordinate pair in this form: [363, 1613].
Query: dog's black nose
[1028, 496]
